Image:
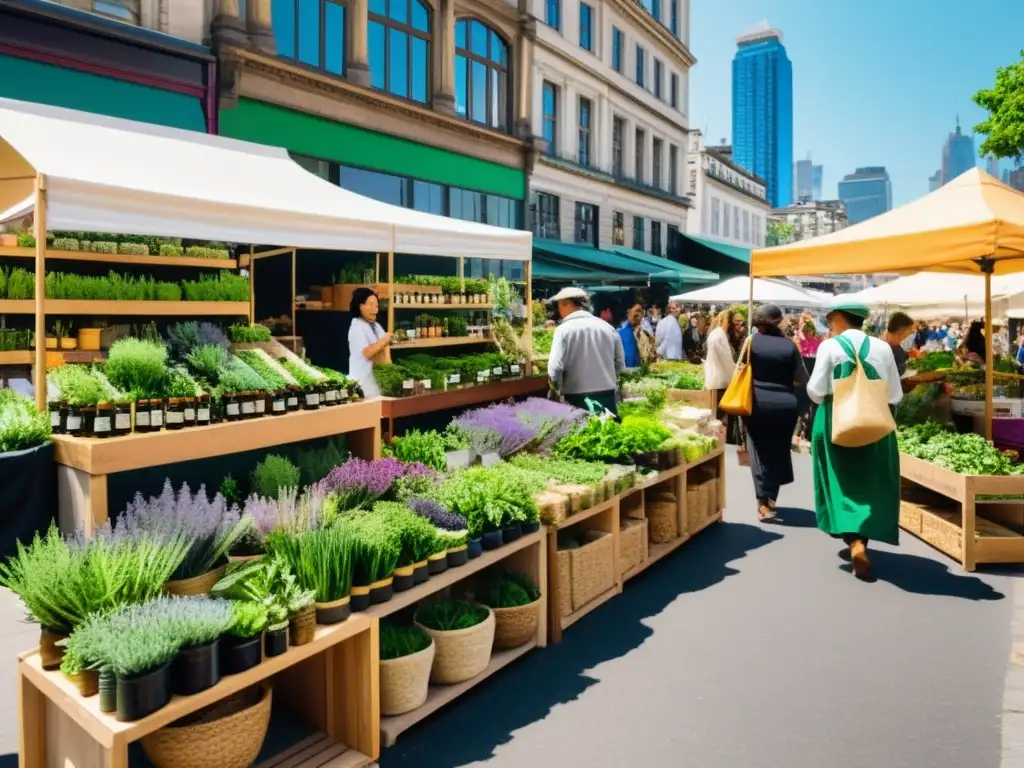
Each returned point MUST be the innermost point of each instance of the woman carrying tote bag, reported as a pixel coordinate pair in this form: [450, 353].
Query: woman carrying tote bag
[853, 445]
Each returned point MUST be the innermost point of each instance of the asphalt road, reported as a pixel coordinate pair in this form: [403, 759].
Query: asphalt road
[753, 647]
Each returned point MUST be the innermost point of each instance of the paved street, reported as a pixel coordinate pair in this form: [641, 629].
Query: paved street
[751, 648]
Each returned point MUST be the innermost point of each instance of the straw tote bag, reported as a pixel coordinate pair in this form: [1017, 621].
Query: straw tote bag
[860, 406]
[738, 399]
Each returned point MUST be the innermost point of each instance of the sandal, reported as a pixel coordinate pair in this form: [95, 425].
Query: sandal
[766, 514]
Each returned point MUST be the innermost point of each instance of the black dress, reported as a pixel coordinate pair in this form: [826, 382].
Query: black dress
[776, 364]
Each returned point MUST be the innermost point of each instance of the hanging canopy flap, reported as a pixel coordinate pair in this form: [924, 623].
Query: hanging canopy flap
[974, 216]
[736, 290]
[104, 174]
[680, 272]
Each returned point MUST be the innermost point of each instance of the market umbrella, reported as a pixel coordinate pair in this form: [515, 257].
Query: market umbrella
[973, 225]
[737, 289]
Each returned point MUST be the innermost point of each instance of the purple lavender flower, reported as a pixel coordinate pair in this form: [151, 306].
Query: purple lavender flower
[501, 419]
[375, 476]
[437, 514]
[418, 469]
[213, 334]
[552, 420]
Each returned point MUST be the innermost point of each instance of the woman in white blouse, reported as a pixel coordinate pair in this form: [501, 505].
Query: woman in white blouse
[856, 490]
[718, 369]
[366, 340]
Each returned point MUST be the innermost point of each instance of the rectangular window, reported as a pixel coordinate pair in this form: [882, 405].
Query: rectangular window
[585, 228]
[583, 133]
[428, 197]
[656, 238]
[656, 153]
[640, 138]
[714, 215]
[553, 14]
[618, 228]
[586, 27]
[727, 209]
[618, 41]
[618, 128]
[746, 227]
[736, 222]
[673, 169]
[672, 241]
[673, 17]
[673, 90]
[311, 32]
[656, 9]
[544, 221]
[641, 64]
[638, 232]
[379, 186]
[550, 125]
[657, 78]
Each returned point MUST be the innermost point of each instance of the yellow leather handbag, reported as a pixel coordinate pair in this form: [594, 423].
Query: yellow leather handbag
[738, 399]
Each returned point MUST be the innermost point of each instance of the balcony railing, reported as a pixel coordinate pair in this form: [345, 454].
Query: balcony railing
[572, 161]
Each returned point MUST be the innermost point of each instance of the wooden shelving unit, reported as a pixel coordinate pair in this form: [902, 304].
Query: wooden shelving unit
[18, 357]
[84, 463]
[119, 258]
[139, 308]
[447, 341]
[400, 305]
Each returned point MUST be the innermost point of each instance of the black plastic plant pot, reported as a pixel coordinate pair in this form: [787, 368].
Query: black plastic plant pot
[142, 695]
[492, 539]
[457, 557]
[359, 598]
[401, 578]
[437, 565]
[529, 528]
[420, 573]
[237, 654]
[195, 669]
[510, 533]
[475, 548]
[275, 641]
[333, 613]
[108, 692]
[382, 591]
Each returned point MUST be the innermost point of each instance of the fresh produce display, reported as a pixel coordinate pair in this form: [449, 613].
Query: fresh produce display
[21, 425]
[252, 333]
[931, 361]
[965, 454]
[443, 372]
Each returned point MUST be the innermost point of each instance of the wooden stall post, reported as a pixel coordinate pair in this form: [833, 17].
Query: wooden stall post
[252, 290]
[987, 266]
[391, 291]
[39, 222]
[295, 330]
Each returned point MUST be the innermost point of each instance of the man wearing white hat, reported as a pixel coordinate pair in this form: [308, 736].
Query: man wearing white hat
[586, 353]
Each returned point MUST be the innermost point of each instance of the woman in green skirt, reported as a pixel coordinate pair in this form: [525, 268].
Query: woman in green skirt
[856, 490]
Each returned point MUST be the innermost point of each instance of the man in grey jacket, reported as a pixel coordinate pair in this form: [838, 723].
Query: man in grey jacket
[586, 353]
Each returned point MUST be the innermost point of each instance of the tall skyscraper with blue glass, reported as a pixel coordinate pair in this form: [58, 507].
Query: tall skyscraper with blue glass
[762, 111]
[957, 154]
[866, 193]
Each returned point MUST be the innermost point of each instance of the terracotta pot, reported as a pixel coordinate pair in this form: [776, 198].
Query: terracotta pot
[50, 653]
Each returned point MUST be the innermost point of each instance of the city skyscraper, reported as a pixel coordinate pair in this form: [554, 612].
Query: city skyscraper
[817, 172]
[957, 154]
[935, 181]
[762, 110]
[803, 181]
[992, 165]
[866, 192]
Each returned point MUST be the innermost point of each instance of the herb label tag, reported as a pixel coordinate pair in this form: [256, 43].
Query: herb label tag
[101, 424]
[496, 370]
[408, 384]
[454, 378]
[122, 420]
[515, 369]
[156, 418]
[203, 414]
[426, 383]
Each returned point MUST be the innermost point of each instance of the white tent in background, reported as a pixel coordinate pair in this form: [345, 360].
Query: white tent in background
[941, 294]
[105, 174]
[736, 290]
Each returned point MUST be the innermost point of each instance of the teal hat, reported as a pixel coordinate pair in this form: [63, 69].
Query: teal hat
[855, 308]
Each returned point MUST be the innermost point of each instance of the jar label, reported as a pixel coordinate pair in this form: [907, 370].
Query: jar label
[515, 369]
[101, 424]
[454, 378]
[496, 370]
[293, 401]
[54, 419]
[331, 395]
[261, 406]
[232, 409]
[408, 384]
[156, 418]
[426, 383]
[122, 421]
[74, 423]
[277, 406]
[203, 414]
[190, 414]
[312, 398]
[175, 417]
[248, 407]
[142, 418]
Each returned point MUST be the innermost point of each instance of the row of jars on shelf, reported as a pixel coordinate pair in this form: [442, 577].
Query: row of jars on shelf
[114, 419]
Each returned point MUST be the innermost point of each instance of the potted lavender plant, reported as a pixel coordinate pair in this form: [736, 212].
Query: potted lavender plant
[450, 527]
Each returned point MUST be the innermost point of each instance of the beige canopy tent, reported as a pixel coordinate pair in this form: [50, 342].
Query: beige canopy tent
[973, 225]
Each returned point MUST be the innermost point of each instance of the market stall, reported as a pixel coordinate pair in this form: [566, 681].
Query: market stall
[971, 226]
[738, 290]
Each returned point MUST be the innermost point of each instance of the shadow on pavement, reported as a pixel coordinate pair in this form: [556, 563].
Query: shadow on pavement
[793, 517]
[924, 576]
[9, 761]
[484, 718]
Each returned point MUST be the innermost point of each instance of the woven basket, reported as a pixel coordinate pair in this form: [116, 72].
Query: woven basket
[232, 740]
[662, 520]
[564, 582]
[515, 626]
[580, 497]
[462, 653]
[910, 517]
[302, 626]
[87, 682]
[704, 499]
[197, 585]
[942, 530]
[712, 509]
[593, 568]
[51, 654]
[632, 543]
[694, 508]
[552, 506]
[404, 681]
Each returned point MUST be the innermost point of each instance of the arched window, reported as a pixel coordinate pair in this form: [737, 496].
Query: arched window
[399, 42]
[311, 32]
[482, 90]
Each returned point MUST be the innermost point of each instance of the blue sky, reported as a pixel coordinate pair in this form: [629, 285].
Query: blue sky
[875, 82]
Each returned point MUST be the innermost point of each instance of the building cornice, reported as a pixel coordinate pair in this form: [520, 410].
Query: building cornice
[640, 17]
[734, 188]
[736, 167]
[447, 132]
[592, 174]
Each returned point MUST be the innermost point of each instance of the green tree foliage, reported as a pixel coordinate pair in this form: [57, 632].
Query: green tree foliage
[1004, 126]
[779, 233]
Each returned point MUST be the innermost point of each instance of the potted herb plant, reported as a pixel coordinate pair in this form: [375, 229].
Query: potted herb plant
[515, 601]
[242, 647]
[416, 536]
[198, 623]
[301, 611]
[457, 448]
[463, 633]
[449, 527]
[406, 657]
[322, 562]
[275, 639]
[376, 550]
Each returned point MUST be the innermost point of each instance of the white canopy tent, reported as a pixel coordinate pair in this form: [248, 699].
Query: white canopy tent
[940, 294]
[765, 291]
[104, 174]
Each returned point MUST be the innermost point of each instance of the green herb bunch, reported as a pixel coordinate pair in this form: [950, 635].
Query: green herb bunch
[509, 590]
[207, 360]
[488, 499]
[417, 537]
[377, 547]
[265, 368]
[450, 615]
[250, 618]
[272, 475]
[22, 426]
[299, 372]
[425, 447]
[572, 471]
[320, 559]
[77, 385]
[396, 642]
[138, 367]
[249, 333]
[235, 376]
[965, 454]
[224, 287]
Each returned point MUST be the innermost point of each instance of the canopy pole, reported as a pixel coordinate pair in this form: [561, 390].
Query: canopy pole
[39, 222]
[987, 266]
[252, 289]
[295, 330]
